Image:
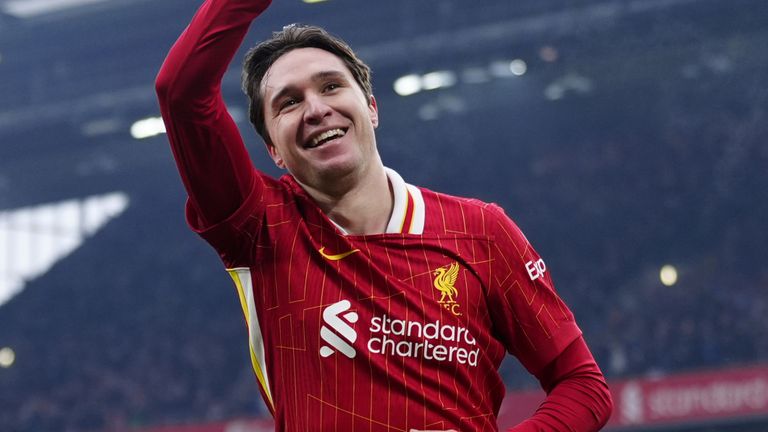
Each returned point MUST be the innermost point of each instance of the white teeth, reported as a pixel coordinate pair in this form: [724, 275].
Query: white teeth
[325, 135]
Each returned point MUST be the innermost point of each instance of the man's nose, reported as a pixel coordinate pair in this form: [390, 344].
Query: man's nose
[316, 109]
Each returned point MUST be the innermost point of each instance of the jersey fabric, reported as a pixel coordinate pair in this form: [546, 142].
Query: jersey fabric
[400, 330]
[387, 332]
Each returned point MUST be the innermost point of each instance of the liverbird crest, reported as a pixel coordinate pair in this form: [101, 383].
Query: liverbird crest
[445, 281]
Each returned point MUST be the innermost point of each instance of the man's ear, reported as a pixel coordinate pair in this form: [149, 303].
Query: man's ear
[373, 112]
[275, 155]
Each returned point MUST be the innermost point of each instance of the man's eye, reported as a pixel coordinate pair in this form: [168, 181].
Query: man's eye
[331, 86]
[287, 103]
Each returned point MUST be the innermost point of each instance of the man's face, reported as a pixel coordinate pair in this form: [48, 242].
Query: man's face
[320, 124]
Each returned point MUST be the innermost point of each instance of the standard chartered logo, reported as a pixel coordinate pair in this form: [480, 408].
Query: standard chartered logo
[332, 316]
[434, 341]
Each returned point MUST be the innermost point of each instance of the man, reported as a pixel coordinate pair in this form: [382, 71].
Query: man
[371, 304]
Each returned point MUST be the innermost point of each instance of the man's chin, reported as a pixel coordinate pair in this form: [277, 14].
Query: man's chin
[329, 176]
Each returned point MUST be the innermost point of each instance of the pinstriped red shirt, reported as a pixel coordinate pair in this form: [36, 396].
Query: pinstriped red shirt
[392, 331]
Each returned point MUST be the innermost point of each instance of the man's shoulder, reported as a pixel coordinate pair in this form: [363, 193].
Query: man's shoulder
[283, 188]
[274, 201]
[470, 214]
[469, 205]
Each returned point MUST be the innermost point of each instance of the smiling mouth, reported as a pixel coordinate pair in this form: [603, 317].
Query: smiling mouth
[325, 137]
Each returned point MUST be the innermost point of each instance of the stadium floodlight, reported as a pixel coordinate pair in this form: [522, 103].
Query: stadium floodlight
[408, 85]
[7, 357]
[518, 67]
[147, 127]
[668, 275]
[438, 79]
[32, 8]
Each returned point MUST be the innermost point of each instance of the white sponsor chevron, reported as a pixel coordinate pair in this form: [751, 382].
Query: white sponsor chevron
[331, 317]
[33, 239]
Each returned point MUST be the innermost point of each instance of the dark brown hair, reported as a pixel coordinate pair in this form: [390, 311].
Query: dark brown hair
[261, 57]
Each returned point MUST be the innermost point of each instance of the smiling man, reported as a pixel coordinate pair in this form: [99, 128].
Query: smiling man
[371, 304]
[319, 124]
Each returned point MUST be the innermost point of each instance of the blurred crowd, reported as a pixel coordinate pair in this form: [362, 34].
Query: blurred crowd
[628, 199]
[99, 348]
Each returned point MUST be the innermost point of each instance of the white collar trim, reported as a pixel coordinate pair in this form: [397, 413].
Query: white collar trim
[408, 211]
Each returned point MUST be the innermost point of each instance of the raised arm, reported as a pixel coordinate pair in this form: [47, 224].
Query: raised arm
[209, 151]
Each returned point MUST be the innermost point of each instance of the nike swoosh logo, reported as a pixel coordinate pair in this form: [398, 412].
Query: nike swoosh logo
[337, 256]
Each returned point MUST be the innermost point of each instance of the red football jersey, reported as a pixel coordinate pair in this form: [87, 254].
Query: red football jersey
[393, 331]
[386, 332]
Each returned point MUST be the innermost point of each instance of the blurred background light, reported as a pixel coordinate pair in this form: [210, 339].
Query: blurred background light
[518, 67]
[100, 127]
[438, 79]
[147, 127]
[548, 53]
[33, 8]
[668, 275]
[554, 92]
[501, 69]
[7, 357]
[408, 85]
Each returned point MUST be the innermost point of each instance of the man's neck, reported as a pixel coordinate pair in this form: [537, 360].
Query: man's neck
[365, 207]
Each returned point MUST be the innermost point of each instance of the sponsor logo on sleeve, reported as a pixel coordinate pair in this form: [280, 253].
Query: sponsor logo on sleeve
[536, 269]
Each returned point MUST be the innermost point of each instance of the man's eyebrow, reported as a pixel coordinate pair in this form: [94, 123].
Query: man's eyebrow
[280, 94]
[319, 76]
[323, 75]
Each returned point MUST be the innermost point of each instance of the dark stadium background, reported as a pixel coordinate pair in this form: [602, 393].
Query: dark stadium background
[634, 137]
